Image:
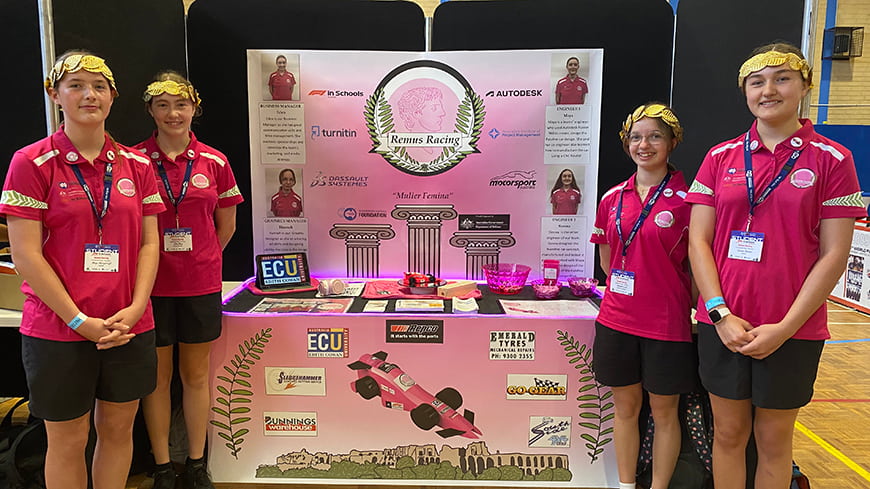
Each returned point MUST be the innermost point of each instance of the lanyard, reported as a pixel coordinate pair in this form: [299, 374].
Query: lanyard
[107, 195]
[176, 201]
[640, 219]
[750, 179]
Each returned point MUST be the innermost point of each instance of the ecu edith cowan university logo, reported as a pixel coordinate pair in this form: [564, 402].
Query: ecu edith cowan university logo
[424, 118]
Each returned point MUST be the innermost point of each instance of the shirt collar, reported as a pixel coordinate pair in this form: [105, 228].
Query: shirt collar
[71, 156]
[153, 151]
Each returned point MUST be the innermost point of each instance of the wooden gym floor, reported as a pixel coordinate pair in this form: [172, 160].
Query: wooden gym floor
[832, 435]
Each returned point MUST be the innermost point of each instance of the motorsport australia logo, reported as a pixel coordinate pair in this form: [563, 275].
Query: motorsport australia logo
[410, 115]
[518, 179]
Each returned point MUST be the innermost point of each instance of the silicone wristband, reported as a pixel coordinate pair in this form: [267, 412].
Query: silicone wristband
[77, 321]
[716, 301]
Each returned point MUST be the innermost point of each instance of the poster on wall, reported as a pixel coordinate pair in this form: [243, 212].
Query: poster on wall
[853, 288]
[379, 163]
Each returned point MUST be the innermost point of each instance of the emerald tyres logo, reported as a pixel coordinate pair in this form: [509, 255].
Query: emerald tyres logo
[424, 118]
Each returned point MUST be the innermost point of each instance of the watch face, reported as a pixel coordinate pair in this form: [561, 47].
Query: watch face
[715, 316]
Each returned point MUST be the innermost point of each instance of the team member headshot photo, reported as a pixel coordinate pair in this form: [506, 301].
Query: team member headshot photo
[565, 196]
[285, 202]
[571, 89]
[566, 193]
[282, 82]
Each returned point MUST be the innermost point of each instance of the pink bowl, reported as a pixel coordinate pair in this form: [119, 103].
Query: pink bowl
[583, 286]
[544, 290]
[506, 278]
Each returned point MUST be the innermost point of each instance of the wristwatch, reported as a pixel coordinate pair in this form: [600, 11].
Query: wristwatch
[718, 314]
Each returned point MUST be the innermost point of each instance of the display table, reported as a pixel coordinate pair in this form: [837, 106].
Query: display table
[329, 398]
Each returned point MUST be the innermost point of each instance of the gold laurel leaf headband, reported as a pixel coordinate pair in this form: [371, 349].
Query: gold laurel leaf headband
[774, 58]
[172, 88]
[76, 62]
[657, 111]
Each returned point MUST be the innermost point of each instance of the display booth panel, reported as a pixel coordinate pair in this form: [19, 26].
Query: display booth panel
[401, 399]
[425, 162]
[853, 287]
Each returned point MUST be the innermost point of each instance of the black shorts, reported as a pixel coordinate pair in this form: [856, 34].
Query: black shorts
[662, 367]
[66, 377]
[194, 319]
[783, 380]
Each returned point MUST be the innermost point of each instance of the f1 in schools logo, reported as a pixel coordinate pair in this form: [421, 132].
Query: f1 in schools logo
[328, 343]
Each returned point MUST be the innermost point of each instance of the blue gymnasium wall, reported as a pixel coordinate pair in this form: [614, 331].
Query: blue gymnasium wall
[857, 139]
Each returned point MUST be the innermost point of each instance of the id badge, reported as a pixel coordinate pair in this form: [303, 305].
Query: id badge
[745, 246]
[178, 239]
[102, 258]
[621, 282]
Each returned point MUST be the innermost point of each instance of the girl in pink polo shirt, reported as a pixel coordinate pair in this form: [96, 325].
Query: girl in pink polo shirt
[772, 217]
[198, 186]
[643, 336]
[565, 196]
[83, 230]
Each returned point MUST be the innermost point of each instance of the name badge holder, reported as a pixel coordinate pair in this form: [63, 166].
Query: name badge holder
[622, 280]
[178, 238]
[99, 257]
[746, 245]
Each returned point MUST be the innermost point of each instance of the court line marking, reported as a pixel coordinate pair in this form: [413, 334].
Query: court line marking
[833, 451]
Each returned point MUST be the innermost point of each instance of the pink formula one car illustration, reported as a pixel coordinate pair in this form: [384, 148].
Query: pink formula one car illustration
[399, 391]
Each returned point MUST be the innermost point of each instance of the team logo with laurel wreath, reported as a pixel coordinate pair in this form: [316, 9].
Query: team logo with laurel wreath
[424, 118]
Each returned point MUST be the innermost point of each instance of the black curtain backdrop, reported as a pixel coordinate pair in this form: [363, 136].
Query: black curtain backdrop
[137, 38]
[220, 32]
[713, 39]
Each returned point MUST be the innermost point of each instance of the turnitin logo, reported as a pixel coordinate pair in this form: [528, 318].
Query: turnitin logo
[320, 132]
[516, 179]
[336, 93]
[515, 93]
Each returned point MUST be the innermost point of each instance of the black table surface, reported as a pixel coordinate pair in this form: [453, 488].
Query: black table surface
[487, 304]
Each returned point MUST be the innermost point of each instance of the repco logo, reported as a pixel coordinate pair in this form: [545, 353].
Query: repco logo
[515, 93]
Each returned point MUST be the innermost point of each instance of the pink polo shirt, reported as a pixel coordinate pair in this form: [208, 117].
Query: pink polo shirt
[286, 205]
[566, 201]
[282, 85]
[661, 304]
[41, 186]
[572, 91]
[212, 185]
[822, 185]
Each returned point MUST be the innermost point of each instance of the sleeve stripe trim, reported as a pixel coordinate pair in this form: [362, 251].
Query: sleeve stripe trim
[16, 199]
[216, 158]
[726, 147]
[830, 149]
[47, 156]
[230, 193]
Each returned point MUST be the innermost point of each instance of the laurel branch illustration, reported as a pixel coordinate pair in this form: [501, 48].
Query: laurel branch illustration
[238, 392]
[593, 404]
[379, 121]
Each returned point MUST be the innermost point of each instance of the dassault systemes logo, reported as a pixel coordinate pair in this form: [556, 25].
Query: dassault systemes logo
[336, 93]
[515, 93]
[321, 180]
[405, 117]
[517, 178]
